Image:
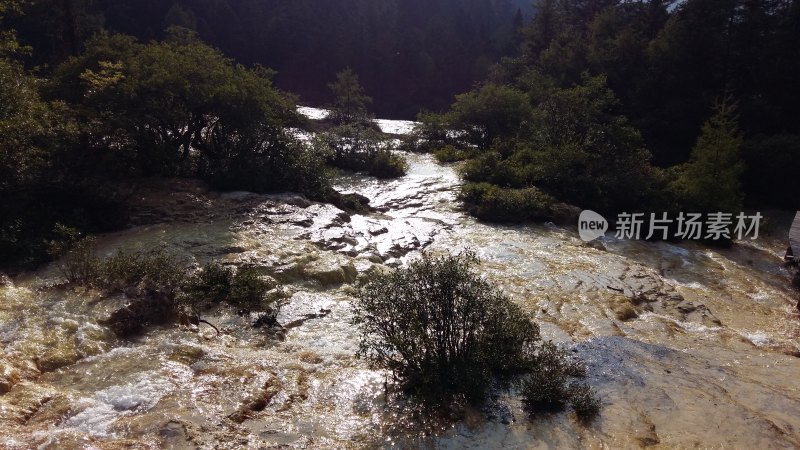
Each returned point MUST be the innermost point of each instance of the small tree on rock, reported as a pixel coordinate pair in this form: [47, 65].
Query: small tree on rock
[350, 102]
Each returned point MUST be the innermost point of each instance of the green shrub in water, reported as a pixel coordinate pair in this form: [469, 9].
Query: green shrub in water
[446, 333]
[449, 153]
[155, 268]
[492, 203]
[385, 164]
[442, 330]
[551, 384]
[77, 261]
[244, 288]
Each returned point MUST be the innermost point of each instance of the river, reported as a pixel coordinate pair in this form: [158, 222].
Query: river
[687, 346]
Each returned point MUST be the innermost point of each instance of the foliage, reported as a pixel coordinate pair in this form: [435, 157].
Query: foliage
[386, 164]
[489, 112]
[360, 148]
[158, 283]
[587, 154]
[349, 100]
[548, 387]
[153, 269]
[492, 203]
[179, 107]
[77, 260]
[33, 141]
[449, 153]
[245, 288]
[407, 53]
[124, 109]
[584, 401]
[432, 131]
[710, 181]
[208, 287]
[248, 289]
[574, 148]
[442, 330]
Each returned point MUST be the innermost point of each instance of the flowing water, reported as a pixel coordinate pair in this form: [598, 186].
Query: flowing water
[687, 346]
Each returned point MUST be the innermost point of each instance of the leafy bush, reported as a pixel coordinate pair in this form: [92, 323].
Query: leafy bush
[489, 202]
[386, 164]
[489, 112]
[350, 101]
[572, 145]
[481, 168]
[547, 387]
[249, 288]
[442, 330]
[584, 402]
[78, 263]
[208, 287]
[550, 386]
[710, 180]
[155, 269]
[449, 153]
[244, 288]
[431, 131]
[223, 122]
[282, 165]
[360, 148]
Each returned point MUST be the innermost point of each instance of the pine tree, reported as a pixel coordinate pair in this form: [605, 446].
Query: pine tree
[350, 102]
[710, 181]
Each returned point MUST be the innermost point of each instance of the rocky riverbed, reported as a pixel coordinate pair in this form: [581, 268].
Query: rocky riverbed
[687, 346]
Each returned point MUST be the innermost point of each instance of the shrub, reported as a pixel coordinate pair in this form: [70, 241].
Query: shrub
[208, 287]
[441, 329]
[547, 387]
[156, 269]
[448, 153]
[550, 384]
[385, 164]
[489, 112]
[710, 180]
[249, 288]
[245, 288]
[171, 294]
[584, 402]
[489, 202]
[78, 263]
[431, 131]
[481, 168]
[360, 148]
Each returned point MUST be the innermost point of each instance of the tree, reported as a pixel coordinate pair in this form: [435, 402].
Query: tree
[349, 100]
[710, 181]
[490, 112]
[40, 181]
[180, 107]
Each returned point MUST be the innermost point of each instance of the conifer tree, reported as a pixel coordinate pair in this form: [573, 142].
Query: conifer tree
[350, 102]
[710, 181]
